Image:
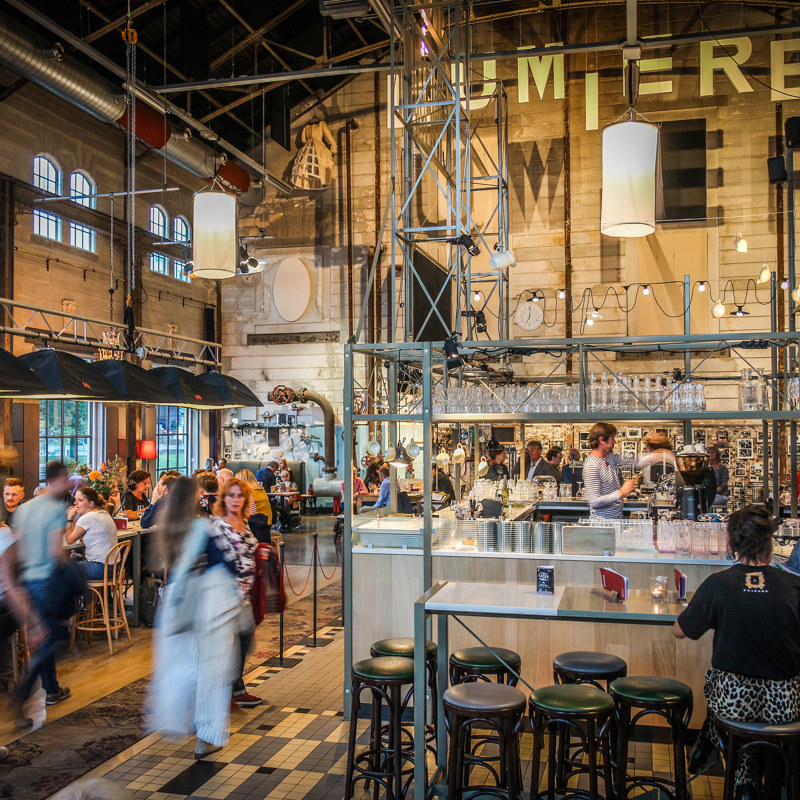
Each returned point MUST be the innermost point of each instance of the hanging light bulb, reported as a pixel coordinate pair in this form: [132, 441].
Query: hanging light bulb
[628, 205]
[740, 312]
[763, 276]
[646, 289]
[535, 297]
[718, 309]
[477, 296]
[596, 314]
[702, 286]
[740, 245]
[796, 294]
[215, 244]
[589, 321]
[562, 294]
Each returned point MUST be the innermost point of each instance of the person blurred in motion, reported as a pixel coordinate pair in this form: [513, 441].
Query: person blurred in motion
[39, 528]
[230, 526]
[197, 624]
[159, 493]
[92, 525]
[498, 469]
[135, 500]
[13, 495]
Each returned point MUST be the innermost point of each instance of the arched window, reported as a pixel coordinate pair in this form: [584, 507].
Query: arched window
[158, 222]
[180, 230]
[46, 175]
[81, 187]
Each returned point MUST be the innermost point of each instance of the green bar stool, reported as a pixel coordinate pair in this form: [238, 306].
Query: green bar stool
[385, 762]
[404, 647]
[481, 663]
[490, 705]
[783, 738]
[561, 711]
[666, 698]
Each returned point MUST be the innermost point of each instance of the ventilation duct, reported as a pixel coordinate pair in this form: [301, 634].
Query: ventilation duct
[24, 52]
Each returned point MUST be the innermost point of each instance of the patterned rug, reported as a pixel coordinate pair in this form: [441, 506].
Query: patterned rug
[60, 752]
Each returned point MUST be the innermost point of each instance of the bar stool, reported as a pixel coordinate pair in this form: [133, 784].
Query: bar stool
[491, 705]
[480, 663]
[382, 762]
[404, 647]
[584, 666]
[562, 710]
[783, 738]
[666, 698]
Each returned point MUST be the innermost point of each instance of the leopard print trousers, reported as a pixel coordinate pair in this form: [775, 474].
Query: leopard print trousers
[746, 699]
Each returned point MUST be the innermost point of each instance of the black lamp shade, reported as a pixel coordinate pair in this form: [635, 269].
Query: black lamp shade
[69, 376]
[135, 384]
[232, 392]
[186, 389]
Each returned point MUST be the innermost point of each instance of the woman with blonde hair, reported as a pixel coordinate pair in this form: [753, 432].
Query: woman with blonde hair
[259, 503]
[230, 515]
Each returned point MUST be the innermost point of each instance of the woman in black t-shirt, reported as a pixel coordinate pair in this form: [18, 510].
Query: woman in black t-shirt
[754, 611]
[135, 500]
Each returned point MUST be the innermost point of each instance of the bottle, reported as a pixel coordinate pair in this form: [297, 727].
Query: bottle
[748, 394]
[504, 493]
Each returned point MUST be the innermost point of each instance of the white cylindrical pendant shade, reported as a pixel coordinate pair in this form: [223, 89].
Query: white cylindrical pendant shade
[215, 249]
[629, 179]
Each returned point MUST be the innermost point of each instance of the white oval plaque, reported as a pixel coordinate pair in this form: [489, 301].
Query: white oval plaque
[291, 289]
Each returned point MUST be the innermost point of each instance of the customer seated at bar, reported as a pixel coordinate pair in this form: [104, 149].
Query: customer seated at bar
[13, 495]
[135, 500]
[601, 483]
[498, 469]
[754, 611]
[93, 526]
[442, 484]
[572, 471]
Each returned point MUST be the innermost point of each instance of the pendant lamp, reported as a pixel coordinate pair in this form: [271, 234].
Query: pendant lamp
[629, 179]
[216, 237]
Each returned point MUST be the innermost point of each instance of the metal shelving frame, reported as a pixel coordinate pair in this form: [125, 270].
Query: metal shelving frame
[423, 367]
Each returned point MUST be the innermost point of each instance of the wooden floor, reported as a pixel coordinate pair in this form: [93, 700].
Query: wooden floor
[90, 673]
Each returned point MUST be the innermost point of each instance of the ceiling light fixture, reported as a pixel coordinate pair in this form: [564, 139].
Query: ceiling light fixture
[646, 289]
[740, 312]
[502, 259]
[718, 310]
[562, 294]
[740, 244]
[477, 296]
[784, 284]
[215, 245]
[763, 276]
[589, 321]
[702, 286]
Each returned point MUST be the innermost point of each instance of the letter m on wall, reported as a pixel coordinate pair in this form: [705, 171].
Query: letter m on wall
[539, 68]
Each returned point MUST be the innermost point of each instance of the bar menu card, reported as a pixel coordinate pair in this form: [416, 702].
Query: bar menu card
[614, 581]
[680, 584]
[545, 580]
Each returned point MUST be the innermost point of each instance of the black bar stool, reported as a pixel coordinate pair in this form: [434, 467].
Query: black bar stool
[584, 666]
[490, 705]
[383, 762]
[480, 663]
[666, 698]
[745, 736]
[562, 710]
[404, 647]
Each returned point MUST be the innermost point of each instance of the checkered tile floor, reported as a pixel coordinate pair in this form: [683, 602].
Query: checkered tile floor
[295, 747]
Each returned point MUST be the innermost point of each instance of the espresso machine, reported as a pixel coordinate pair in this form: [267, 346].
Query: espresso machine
[692, 467]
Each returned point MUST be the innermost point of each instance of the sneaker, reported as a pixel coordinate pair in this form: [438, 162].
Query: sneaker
[234, 706]
[56, 697]
[204, 749]
[3, 753]
[247, 700]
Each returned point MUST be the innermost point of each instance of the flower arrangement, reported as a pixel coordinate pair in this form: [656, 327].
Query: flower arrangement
[107, 479]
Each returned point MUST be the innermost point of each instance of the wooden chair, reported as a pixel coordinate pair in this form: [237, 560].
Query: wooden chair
[19, 657]
[108, 594]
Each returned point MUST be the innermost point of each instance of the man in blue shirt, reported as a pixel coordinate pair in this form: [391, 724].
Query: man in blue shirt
[268, 476]
[383, 497]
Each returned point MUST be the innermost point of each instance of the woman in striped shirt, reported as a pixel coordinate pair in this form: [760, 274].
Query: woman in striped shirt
[601, 483]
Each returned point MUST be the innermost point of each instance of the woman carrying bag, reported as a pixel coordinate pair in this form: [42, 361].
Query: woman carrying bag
[197, 625]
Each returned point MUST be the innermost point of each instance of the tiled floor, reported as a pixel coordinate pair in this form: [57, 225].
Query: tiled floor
[295, 748]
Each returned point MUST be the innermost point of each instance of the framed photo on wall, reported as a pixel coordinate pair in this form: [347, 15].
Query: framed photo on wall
[634, 433]
[740, 469]
[698, 436]
[744, 449]
[629, 449]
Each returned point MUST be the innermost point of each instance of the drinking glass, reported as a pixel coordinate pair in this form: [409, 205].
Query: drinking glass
[683, 541]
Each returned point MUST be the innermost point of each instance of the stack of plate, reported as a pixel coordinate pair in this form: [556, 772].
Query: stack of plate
[483, 533]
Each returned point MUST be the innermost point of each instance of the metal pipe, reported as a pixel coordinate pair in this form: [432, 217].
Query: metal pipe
[348, 163]
[305, 396]
[791, 360]
[687, 353]
[314, 556]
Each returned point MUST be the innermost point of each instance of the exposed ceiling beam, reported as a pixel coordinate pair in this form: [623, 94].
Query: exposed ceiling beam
[112, 24]
[256, 34]
[325, 70]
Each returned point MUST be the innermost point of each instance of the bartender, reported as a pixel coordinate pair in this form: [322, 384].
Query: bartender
[498, 469]
[601, 484]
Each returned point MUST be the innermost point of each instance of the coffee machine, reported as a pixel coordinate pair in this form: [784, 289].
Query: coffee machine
[692, 466]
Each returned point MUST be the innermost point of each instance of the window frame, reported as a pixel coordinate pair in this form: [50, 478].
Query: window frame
[53, 185]
[159, 229]
[40, 217]
[81, 198]
[168, 444]
[45, 436]
[184, 238]
[90, 236]
[177, 271]
[161, 258]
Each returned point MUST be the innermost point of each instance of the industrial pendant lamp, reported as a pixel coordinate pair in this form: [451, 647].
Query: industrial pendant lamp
[630, 149]
[401, 457]
[216, 236]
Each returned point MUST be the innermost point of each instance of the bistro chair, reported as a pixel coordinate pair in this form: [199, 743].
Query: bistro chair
[18, 657]
[108, 596]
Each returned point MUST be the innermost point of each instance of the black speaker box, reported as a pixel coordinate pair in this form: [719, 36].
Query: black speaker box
[777, 169]
[792, 129]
